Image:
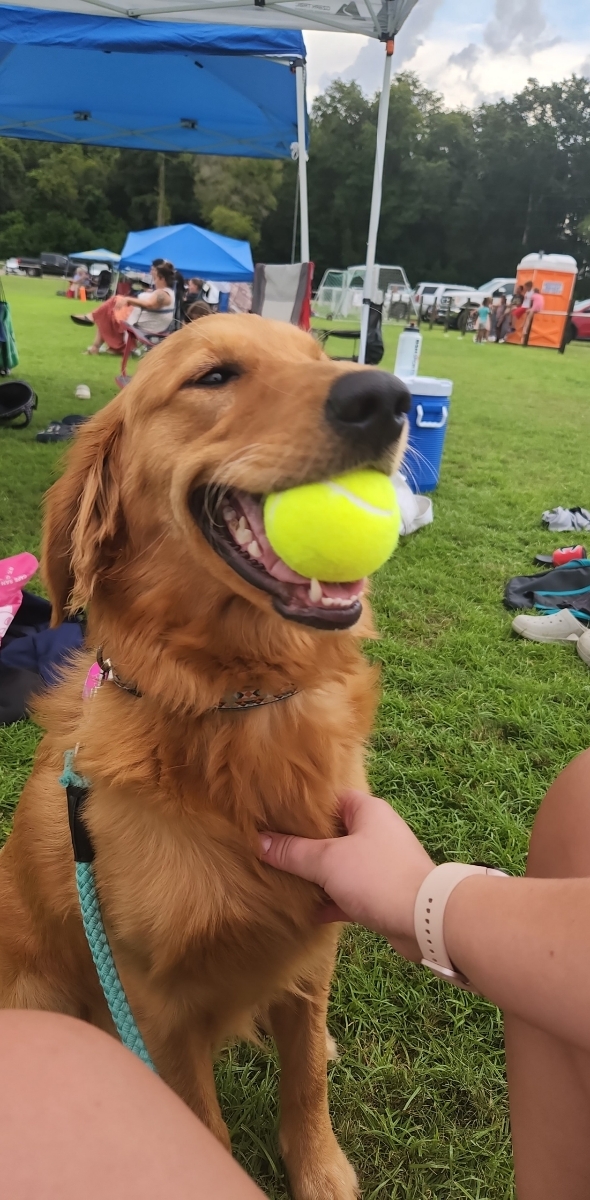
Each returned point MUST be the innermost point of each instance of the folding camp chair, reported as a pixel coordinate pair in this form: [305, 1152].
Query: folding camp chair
[283, 292]
[375, 349]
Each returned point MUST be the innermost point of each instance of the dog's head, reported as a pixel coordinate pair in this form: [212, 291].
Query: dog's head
[166, 482]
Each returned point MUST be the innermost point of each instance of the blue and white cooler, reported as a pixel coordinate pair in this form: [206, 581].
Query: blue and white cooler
[428, 419]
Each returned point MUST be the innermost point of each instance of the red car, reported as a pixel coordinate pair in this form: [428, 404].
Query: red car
[580, 322]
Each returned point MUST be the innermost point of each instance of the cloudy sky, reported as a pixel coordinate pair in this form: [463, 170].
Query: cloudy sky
[470, 50]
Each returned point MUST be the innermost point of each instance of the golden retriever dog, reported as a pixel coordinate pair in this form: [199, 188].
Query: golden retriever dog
[156, 529]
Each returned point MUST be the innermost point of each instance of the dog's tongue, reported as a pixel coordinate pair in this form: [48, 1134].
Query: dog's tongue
[275, 565]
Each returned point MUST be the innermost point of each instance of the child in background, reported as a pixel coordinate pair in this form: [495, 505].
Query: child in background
[482, 327]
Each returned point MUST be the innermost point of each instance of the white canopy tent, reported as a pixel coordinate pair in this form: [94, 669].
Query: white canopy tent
[380, 19]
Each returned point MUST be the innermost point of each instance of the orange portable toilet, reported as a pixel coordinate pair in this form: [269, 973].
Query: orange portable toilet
[555, 276]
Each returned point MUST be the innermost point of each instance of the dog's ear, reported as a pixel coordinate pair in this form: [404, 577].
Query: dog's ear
[83, 516]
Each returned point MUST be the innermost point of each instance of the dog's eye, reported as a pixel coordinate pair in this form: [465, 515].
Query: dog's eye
[217, 377]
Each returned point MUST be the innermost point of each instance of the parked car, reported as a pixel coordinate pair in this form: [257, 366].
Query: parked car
[459, 307]
[45, 264]
[451, 302]
[53, 264]
[425, 295]
[579, 325]
[340, 293]
[428, 294]
[500, 285]
[23, 266]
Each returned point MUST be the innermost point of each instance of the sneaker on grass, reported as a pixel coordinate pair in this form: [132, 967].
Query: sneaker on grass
[558, 627]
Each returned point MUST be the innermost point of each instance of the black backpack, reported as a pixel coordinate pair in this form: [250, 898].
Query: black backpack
[375, 348]
[17, 399]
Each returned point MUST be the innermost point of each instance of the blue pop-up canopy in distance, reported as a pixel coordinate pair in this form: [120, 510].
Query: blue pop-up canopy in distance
[105, 256]
[193, 251]
[111, 81]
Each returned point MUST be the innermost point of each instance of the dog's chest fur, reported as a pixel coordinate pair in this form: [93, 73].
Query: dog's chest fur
[177, 865]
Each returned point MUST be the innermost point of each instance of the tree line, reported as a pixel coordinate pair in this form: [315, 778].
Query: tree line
[465, 195]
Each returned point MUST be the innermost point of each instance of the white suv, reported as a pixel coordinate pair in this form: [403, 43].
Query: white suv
[427, 294]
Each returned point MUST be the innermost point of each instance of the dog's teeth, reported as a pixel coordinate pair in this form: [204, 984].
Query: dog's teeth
[242, 523]
[315, 591]
[243, 535]
[254, 549]
[327, 601]
[229, 514]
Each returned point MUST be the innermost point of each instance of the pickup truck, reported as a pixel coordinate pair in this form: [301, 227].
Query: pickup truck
[45, 264]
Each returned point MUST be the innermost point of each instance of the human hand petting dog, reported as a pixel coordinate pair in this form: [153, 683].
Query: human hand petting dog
[371, 876]
[523, 943]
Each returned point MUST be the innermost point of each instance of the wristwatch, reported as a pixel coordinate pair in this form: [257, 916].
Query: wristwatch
[429, 915]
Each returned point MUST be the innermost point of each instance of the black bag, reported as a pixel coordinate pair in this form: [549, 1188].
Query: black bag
[17, 399]
[551, 591]
[375, 348]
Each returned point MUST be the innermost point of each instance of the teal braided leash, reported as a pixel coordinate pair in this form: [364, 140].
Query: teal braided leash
[98, 941]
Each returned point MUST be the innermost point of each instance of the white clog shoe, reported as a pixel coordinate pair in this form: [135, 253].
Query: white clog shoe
[583, 646]
[558, 627]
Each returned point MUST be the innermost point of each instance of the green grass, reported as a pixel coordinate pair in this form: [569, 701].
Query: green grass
[473, 726]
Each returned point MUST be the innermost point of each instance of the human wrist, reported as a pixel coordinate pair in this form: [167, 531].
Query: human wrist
[466, 926]
[399, 928]
[439, 914]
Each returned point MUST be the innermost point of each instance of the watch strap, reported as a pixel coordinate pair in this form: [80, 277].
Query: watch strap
[429, 916]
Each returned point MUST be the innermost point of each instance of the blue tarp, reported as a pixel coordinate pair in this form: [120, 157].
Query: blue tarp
[194, 252]
[110, 81]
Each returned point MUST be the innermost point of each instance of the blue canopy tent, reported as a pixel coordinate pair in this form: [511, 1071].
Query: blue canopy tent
[110, 81]
[193, 251]
[102, 256]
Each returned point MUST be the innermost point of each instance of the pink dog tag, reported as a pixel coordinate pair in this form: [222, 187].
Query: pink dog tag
[93, 681]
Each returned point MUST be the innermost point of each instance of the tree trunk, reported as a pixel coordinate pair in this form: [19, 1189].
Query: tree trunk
[163, 215]
[527, 221]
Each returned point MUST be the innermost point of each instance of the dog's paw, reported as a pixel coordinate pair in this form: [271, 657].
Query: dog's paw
[332, 1178]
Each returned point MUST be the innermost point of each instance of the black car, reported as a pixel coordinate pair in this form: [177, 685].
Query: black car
[53, 264]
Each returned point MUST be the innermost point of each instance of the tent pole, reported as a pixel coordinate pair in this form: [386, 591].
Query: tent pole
[304, 238]
[376, 198]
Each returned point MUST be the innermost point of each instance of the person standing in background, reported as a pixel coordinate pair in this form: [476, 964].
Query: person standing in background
[482, 327]
[501, 319]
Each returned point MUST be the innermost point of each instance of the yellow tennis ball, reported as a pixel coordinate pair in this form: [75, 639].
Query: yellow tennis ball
[337, 531]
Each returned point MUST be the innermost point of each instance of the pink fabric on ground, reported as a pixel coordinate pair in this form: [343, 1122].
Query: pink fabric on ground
[14, 572]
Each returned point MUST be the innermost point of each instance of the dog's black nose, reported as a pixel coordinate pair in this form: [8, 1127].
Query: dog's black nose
[367, 407]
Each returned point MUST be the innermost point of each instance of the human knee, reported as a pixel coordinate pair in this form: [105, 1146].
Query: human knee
[560, 840]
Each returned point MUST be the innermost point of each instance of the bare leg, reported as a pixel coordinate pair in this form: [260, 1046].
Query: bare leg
[318, 1169]
[79, 1115]
[549, 1080]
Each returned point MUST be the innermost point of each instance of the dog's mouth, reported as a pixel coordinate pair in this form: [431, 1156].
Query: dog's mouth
[232, 521]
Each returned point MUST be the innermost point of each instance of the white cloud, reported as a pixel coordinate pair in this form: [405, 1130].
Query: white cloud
[484, 57]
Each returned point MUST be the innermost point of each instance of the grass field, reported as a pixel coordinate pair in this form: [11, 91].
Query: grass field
[473, 726]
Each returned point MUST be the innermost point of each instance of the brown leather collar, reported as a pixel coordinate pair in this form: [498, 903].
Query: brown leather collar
[231, 702]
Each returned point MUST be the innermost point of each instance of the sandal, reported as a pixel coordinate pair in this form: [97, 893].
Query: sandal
[61, 431]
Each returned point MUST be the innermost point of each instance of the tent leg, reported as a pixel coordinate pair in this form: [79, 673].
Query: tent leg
[304, 239]
[376, 199]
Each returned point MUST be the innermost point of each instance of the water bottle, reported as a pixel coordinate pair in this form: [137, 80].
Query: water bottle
[407, 359]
